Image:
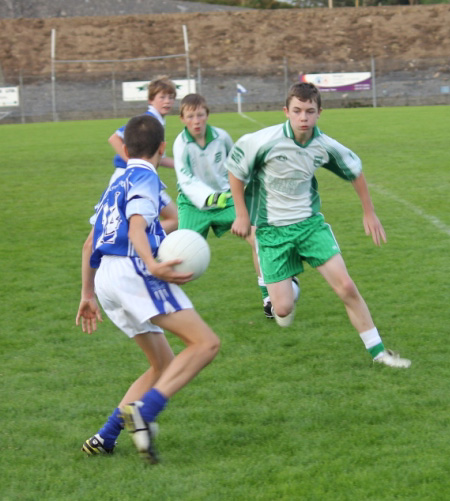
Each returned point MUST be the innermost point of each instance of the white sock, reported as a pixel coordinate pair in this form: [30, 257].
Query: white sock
[370, 338]
[372, 341]
[296, 290]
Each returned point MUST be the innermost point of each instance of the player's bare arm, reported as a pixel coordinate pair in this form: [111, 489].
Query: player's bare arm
[169, 216]
[88, 310]
[241, 226]
[163, 271]
[372, 225]
[167, 162]
[117, 144]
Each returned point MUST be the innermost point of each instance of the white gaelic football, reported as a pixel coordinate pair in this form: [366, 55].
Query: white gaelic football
[190, 247]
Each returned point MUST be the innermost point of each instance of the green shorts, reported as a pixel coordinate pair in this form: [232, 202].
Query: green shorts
[282, 249]
[192, 218]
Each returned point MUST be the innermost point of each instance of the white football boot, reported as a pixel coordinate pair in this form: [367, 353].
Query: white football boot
[392, 359]
[142, 433]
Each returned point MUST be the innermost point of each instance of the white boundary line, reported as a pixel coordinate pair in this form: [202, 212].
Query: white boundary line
[436, 222]
[243, 115]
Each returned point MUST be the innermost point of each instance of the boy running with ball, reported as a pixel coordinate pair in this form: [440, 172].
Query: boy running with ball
[139, 294]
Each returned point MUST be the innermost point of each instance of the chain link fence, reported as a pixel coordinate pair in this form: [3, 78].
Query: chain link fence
[97, 92]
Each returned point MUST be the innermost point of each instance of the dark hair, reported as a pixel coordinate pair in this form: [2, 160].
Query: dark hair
[143, 136]
[304, 91]
[192, 102]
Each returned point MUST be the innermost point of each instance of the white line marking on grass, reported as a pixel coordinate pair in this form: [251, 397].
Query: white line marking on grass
[243, 115]
[417, 210]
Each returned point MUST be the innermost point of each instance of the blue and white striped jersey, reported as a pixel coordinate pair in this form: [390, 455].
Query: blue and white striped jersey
[118, 161]
[138, 191]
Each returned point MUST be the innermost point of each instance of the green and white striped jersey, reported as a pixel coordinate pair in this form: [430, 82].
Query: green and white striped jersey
[279, 172]
[201, 171]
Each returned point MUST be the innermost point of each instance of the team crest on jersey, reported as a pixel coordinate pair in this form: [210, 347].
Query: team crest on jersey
[111, 220]
[237, 155]
[318, 161]
[281, 158]
[218, 157]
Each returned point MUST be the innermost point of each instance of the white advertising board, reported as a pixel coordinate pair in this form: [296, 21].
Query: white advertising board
[329, 82]
[137, 91]
[9, 96]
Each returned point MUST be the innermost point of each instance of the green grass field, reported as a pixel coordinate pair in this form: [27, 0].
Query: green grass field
[293, 414]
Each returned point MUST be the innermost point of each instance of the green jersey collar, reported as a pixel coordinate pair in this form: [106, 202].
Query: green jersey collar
[288, 132]
[210, 135]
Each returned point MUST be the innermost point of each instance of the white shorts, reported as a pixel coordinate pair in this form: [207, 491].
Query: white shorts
[131, 296]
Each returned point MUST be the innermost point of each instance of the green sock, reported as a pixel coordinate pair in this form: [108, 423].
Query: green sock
[376, 350]
[263, 289]
[264, 292]
[372, 341]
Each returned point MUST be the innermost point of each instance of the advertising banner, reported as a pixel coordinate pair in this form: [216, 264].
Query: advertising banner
[339, 82]
[9, 96]
[137, 91]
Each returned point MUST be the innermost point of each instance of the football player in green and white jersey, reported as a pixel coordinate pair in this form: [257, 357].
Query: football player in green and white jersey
[204, 199]
[273, 186]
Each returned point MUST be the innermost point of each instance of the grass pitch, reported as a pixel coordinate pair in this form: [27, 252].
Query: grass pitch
[294, 414]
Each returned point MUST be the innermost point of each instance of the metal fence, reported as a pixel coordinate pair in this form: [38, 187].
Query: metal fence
[97, 92]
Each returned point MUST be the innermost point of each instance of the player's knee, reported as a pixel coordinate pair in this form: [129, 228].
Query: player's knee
[284, 313]
[347, 290]
[285, 321]
[283, 309]
[209, 347]
[214, 346]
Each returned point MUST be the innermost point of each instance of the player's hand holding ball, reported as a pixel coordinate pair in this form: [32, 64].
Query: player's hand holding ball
[188, 249]
[167, 271]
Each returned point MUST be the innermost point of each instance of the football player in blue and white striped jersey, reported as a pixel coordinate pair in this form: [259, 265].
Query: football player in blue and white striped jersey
[139, 294]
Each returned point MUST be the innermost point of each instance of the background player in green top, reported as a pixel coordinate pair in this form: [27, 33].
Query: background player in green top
[273, 186]
[204, 200]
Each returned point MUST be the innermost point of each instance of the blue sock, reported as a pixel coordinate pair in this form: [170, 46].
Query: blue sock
[111, 429]
[154, 402]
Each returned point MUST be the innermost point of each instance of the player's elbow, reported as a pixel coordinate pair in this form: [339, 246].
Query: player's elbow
[114, 139]
[87, 246]
[170, 224]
